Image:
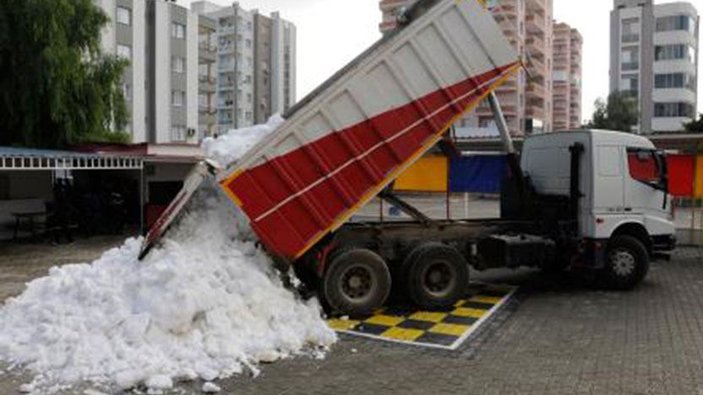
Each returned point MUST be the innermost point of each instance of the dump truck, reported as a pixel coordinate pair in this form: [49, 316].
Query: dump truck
[581, 199]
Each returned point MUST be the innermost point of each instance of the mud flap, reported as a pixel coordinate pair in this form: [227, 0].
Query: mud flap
[191, 184]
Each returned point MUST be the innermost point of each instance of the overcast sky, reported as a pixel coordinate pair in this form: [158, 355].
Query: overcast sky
[332, 32]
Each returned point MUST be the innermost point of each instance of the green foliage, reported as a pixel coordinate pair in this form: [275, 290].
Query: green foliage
[695, 126]
[619, 113]
[56, 87]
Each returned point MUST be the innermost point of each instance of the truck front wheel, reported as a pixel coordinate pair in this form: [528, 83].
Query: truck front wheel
[357, 282]
[436, 275]
[627, 262]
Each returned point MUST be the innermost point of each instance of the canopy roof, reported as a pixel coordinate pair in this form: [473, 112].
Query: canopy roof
[12, 158]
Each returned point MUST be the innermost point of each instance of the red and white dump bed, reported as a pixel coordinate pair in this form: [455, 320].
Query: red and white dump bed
[354, 135]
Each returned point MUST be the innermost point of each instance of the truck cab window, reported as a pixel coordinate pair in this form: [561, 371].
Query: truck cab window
[645, 166]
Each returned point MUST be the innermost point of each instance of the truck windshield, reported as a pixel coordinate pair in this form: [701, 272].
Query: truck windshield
[647, 166]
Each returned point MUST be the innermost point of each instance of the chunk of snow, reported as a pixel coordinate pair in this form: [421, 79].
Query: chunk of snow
[159, 382]
[206, 303]
[211, 388]
[229, 147]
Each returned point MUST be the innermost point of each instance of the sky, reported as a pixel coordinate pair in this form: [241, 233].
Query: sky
[333, 32]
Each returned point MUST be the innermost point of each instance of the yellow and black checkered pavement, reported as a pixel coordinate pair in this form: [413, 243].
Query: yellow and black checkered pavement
[441, 329]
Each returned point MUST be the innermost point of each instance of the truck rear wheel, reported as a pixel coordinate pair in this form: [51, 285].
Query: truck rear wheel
[357, 282]
[436, 275]
[627, 262]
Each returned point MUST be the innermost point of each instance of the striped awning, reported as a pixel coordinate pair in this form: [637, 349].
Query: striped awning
[28, 159]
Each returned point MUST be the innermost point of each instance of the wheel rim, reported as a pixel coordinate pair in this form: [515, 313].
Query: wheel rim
[623, 262]
[357, 283]
[438, 278]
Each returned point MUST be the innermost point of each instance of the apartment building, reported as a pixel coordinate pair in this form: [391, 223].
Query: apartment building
[255, 64]
[125, 36]
[526, 98]
[160, 40]
[576, 90]
[654, 56]
[566, 77]
[207, 76]
[172, 73]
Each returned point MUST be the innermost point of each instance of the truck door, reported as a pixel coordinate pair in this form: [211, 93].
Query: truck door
[645, 189]
[609, 198]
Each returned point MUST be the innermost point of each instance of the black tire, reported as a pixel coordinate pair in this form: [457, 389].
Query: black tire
[626, 263]
[436, 276]
[356, 282]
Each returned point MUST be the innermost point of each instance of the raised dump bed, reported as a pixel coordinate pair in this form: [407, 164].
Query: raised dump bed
[349, 139]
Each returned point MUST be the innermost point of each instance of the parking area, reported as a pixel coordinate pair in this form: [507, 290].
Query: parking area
[556, 335]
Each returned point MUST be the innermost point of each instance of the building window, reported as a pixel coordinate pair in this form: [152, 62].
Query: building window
[203, 100]
[178, 133]
[630, 83]
[630, 30]
[675, 52]
[248, 43]
[124, 16]
[674, 110]
[630, 58]
[676, 22]
[644, 166]
[178, 30]
[124, 51]
[178, 98]
[675, 80]
[127, 91]
[178, 64]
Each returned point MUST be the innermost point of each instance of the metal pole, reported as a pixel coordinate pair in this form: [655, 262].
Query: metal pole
[448, 202]
[466, 205]
[505, 138]
[141, 200]
[693, 187]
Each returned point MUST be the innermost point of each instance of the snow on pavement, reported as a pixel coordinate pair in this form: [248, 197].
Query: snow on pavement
[206, 304]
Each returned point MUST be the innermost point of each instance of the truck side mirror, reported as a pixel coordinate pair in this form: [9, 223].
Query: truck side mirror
[663, 175]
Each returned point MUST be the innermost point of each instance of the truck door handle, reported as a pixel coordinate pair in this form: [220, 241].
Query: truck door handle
[628, 209]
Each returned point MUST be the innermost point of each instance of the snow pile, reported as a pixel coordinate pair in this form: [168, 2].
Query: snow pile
[229, 147]
[207, 304]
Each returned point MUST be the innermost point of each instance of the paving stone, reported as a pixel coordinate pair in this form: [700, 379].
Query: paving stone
[558, 335]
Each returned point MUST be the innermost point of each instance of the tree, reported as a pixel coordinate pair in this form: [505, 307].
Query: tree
[695, 126]
[56, 87]
[619, 113]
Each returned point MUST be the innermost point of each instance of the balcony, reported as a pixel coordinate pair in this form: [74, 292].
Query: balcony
[536, 6]
[536, 91]
[535, 112]
[536, 25]
[226, 30]
[505, 11]
[206, 46]
[536, 43]
[536, 67]
[229, 66]
[225, 48]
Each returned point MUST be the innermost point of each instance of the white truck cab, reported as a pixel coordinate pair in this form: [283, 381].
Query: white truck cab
[619, 181]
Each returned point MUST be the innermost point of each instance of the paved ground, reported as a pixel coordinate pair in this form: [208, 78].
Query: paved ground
[558, 335]
[20, 263]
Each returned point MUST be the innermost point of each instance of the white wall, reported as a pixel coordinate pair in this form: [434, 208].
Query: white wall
[192, 74]
[108, 36]
[138, 71]
[162, 80]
